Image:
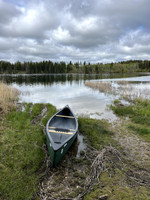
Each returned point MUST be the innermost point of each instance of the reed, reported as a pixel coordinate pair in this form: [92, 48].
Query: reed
[8, 96]
[123, 89]
[122, 82]
[105, 87]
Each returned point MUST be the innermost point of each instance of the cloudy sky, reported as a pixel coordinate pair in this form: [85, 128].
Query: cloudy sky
[76, 30]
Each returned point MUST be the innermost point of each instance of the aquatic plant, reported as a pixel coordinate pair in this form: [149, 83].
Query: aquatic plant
[123, 89]
[105, 87]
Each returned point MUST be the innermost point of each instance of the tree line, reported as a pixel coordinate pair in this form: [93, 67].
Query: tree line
[49, 67]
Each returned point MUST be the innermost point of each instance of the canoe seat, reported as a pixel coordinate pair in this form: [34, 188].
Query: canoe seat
[61, 130]
[65, 116]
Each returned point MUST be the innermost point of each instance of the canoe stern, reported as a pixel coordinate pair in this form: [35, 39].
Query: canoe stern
[57, 155]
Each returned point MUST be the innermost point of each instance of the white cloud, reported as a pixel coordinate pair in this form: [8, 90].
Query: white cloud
[61, 35]
[95, 31]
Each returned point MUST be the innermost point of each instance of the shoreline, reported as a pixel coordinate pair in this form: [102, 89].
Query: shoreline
[70, 177]
[113, 165]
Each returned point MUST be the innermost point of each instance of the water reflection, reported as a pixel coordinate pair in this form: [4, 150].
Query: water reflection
[63, 89]
[78, 146]
[50, 79]
[81, 146]
[80, 98]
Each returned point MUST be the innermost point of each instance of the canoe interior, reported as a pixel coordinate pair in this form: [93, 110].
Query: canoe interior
[61, 127]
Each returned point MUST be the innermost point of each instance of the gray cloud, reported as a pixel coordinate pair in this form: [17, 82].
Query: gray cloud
[7, 12]
[77, 30]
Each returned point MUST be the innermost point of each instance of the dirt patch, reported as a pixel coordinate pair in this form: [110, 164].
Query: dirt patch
[134, 147]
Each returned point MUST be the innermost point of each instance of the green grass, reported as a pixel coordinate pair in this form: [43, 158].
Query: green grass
[96, 132]
[21, 154]
[139, 114]
[117, 187]
[114, 181]
[142, 130]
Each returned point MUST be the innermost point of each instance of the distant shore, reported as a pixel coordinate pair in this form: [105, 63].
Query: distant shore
[46, 67]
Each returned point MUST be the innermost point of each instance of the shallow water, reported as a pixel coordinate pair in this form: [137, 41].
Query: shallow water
[81, 145]
[61, 90]
[82, 100]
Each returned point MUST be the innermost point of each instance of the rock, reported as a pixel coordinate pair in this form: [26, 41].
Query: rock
[103, 197]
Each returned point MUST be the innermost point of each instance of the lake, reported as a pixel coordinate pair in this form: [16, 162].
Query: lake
[64, 89]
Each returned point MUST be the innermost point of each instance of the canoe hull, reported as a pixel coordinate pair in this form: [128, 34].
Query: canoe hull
[56, 156]
[61, 131]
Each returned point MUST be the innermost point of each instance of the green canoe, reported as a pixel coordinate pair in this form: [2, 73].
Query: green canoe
[61, 131]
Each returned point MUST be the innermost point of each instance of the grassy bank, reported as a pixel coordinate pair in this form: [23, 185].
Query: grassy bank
[21, 151]
[22, 161]
[139, 114]
[22, 156]
[97, 133]
[119, 178]
[126, 174]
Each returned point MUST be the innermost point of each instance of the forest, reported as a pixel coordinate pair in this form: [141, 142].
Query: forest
[49, 67]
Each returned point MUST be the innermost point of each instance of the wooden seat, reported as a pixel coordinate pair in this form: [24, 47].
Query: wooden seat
[65, 116]
[51, 127]
[61, 132]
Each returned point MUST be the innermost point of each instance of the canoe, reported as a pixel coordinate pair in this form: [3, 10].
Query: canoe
[61, 131]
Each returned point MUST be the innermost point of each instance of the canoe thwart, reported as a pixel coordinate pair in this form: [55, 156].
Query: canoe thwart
[65, 116]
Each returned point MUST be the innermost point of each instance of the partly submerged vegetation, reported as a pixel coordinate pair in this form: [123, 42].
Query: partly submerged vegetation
[139, 113]
[137, 106]
[122, 89]
[132, 134]
[105, 87]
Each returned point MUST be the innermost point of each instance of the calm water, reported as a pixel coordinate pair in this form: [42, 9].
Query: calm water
[61, 90]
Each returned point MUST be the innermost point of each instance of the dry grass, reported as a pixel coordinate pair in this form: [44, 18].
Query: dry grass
[122, 82]
[130, 92]
[137, 149]
[8, 96]
[105, 87]
[123, 89]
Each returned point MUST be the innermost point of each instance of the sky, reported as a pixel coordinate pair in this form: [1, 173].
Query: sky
[74, 30]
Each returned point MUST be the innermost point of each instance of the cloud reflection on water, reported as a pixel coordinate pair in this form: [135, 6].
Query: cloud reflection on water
[83, 100]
